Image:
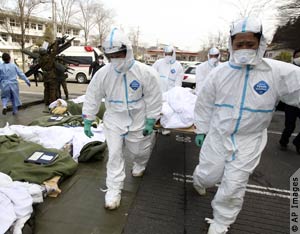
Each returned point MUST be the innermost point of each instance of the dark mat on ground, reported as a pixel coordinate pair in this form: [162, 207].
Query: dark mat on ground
[79, 209]
[167, 203]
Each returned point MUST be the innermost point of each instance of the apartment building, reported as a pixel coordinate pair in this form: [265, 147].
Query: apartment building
[10, 32]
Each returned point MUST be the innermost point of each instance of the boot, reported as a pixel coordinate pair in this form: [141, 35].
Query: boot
[200, 190]
[112, 199]
[137, 170]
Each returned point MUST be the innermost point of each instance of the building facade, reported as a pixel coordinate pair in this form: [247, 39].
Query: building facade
[154, 53]
[10, 32]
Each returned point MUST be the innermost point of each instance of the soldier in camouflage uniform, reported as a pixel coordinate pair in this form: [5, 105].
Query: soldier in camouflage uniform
[47, 63]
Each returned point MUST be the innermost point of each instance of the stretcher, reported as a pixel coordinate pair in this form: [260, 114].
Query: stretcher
[191, 129]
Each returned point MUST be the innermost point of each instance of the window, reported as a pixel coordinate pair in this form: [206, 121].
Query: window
[2, 20]
[59, 30]
[4, 37]
[12, 22]
[26, 25]
[68, 31]
[75, 32]
[80, 59]
[40, 27]
[27, 39]
[33, 26]
[16, 38]
[191, 70]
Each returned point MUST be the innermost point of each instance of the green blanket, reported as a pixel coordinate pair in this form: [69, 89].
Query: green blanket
[76, 109]
[13, 151]
[43, 121]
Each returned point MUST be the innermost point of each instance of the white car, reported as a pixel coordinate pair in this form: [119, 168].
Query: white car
[189, 78]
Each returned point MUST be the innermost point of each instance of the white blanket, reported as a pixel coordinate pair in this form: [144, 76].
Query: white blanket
[16, 199]
[178, 108]
[56, 136]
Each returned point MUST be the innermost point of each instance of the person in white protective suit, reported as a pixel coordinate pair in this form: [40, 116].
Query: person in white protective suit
[232, 113]
[133, 101]
[170, 72]
[203, 69]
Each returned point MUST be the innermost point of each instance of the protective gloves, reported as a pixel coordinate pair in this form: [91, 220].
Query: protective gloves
[148, 127]
[27, 82]
[87, 128]
[200, 139]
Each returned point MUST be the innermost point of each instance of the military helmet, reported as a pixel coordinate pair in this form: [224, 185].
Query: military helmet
[42, 51]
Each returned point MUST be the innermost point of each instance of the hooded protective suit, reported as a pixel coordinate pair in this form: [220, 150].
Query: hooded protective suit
[203, 69]
[132, 94]
[234, 109]
[170, 71]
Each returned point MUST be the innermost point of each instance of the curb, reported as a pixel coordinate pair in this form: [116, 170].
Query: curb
[27, 104]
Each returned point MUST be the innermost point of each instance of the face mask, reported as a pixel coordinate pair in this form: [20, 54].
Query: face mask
[244, 56]
[213, 61]
[168, 58]
[297, 61]
[118, 63]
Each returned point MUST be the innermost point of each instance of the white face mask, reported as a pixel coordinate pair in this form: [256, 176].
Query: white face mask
[168, 58]
[118, 63]
[297, 61]
[213, 61]
[244, 56]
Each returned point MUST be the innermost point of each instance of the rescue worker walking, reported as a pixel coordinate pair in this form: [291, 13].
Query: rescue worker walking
[170, 72]
[133, 103]
[9, 83]
[232, 113]
[203, 69]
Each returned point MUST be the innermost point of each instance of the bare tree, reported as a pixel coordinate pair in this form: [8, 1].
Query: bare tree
[288, 10]
[246, 8]
[134, 36]
[103, 21]
[23, 9]
[66, 9]
[87, 21]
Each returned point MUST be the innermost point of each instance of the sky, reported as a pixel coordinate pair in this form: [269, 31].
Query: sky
[188, 23]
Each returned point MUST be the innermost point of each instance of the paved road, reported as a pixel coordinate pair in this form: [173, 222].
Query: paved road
[166, 202]
[74, 88]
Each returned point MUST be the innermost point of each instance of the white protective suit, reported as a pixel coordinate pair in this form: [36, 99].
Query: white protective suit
[234, 109]
[203, 69]
[170, 71]
[131, 96]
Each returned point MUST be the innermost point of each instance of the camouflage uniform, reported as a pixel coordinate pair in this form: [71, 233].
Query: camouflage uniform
[61, 81]
[47, 63]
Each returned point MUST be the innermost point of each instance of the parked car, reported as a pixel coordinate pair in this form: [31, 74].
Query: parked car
[189, 78]
[186, 64]
[84, 55]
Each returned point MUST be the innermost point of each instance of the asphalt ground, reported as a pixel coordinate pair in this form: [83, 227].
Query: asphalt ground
[163, 201]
